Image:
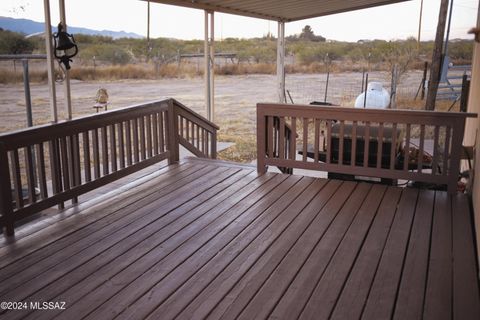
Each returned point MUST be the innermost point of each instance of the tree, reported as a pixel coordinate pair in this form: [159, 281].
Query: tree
[14, 43]
[307, 34]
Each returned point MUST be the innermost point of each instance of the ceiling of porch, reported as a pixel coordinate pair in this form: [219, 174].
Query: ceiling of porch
[279, 10]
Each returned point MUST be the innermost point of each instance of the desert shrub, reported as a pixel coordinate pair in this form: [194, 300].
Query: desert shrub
[14, 43]
[112, 53]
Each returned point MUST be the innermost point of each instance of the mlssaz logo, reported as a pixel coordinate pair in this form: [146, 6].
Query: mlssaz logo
[47, 305]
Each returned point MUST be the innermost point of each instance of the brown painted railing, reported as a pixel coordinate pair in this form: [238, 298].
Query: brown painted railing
[47, 165]
[362, 142]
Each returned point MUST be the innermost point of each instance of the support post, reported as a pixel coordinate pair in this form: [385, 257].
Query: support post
[172, 134]
[435, 67]
[26, 87]
[212, 66]
[209, 64]
[66, 81]
[5, 192]
[419, 25]
[261, 141]
[148, 32]
[281, 62]
[50, 59]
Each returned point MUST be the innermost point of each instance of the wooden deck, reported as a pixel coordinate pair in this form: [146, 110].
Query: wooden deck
[204, 239]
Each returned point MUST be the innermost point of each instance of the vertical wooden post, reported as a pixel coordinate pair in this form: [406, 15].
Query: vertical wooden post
[435, 67]
[212, 65]
[5, 192]
[172, 134]
[148, 31]
[454, 168]
[261, 168]
[50, 68]
[281, 62]
[66, 82]
[209, 67]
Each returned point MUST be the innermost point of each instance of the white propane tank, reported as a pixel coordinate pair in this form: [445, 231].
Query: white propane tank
[377, 97]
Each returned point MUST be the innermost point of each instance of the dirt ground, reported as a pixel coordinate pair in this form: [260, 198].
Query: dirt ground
[235, 96]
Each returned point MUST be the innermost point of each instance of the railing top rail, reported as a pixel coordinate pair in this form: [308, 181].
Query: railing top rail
[37, 134]
[347, 113]
[204, 121]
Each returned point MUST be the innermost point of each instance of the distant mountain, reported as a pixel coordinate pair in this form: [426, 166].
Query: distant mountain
[30, 27]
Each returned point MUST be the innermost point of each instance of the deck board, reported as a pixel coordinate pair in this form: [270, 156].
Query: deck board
[206, 239]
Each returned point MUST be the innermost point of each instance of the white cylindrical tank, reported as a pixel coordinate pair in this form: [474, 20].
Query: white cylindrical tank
[377, 97]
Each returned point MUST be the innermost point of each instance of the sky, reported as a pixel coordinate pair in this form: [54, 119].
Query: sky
[396, 21]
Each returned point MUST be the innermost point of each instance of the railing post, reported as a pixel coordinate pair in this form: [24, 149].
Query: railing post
[261, 168]
[454, 168]
[213, 144]
[172, 135]
[6, 192]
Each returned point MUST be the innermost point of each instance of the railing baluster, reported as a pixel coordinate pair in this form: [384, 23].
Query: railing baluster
[353, 157]
[281, 141]
[136, 151]
[204, 142]
[86, 157]
[270, 141]
[181, 131]
[128, 145]
[293, 139]
[155, 133]
[42, 180]
[30, 170]
[422, 148]
[149, 135]
[96, 154]
[435, 150]
[113, 147]
[56, 172]
[64, 162]
[380, 145]
[446, 152]
[406, 148]
[198, 137]
[143, 154]
[121, 144]
[393, 149]
[366, 145]
[193, 133]
[275, 136]
[105, 151]
[161, 132]
[329, 141]
[207, 145]
[305, 139]
[340, 142]
[17, 180]
[75, 163]
[316, 140]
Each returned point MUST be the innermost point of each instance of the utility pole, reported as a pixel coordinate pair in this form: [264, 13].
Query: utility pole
[435, 67]
[419, 25]
[148, 31]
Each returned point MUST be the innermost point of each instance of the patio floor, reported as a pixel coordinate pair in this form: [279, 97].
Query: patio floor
[207, 239]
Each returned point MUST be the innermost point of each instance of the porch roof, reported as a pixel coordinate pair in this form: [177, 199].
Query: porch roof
[279, 10]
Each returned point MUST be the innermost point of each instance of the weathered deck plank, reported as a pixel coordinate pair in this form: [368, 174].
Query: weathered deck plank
[212, 240]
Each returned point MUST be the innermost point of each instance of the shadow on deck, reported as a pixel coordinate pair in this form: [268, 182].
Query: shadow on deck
[208, 239]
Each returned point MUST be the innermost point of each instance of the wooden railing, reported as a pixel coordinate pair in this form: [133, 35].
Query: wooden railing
[47, 165]
[362, 142]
